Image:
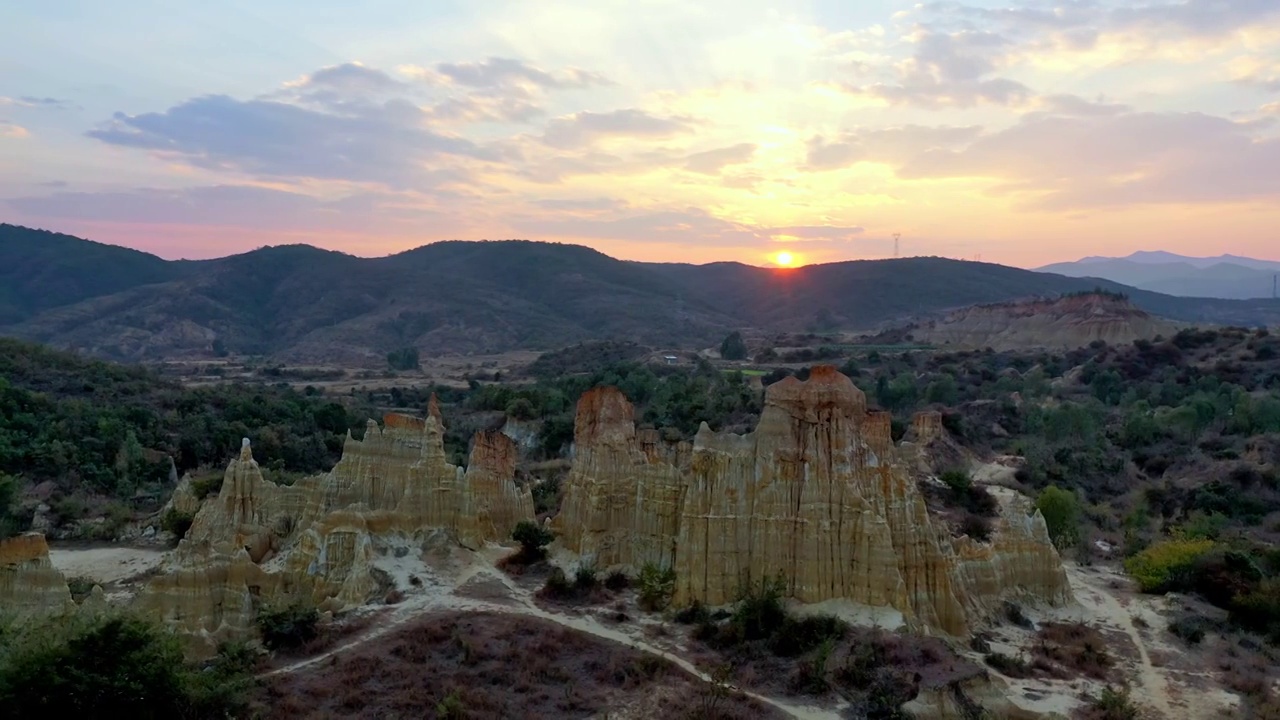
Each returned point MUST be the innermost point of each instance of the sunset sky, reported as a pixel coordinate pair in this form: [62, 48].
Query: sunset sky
[699, 130]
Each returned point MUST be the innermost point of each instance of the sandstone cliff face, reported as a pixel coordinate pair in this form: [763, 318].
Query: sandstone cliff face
[817, 494]
[28, 581]
[258, 541]
[622, 496]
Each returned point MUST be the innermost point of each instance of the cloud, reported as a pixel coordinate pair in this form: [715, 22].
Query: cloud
[29, 101]
[949, 70]
[679, 226]
[12, 130]
[386, 143]
[884, 144]
[496, 72]
[582, 204]
[1059, 162]
[711, 162]
[226, 205]
[1089, 19]
[585, 127]
[815, 232]
[496, 89]
[1075, 105]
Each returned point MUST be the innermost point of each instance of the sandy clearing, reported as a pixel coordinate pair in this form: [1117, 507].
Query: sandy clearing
[105, 565]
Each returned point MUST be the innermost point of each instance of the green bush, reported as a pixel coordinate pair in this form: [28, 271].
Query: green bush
[80, 587]
[1167, 565]
[403, 359]
[585, 577]
[657, 585]
[176, 522]
[761, 610]
[103, 666]
[288, 627]
[733, 347]
[533, 539]
[1061, 511]
[1114, 704]
[797, 636]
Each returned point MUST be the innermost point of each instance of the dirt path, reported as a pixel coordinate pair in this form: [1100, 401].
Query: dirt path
[1152, 687]
[524, 606]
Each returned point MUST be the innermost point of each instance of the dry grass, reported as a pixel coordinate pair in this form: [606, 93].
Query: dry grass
[485, 666]
[1069, 650]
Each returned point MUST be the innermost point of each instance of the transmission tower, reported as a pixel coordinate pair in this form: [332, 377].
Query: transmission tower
[896, 238]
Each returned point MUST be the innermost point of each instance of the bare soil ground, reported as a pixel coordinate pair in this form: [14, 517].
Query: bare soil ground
[490, 665]
[105, 565]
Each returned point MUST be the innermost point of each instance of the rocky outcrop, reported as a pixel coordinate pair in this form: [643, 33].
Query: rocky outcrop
[262, 542]
[28, 581]
[817, 495]
[1061, 323]
[623, 493]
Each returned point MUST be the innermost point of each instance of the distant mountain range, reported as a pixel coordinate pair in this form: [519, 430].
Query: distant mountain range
[1224, 276]
[301, 304]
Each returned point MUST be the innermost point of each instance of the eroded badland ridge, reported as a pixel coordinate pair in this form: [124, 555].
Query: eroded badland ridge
[817, 495]
[1062, 323]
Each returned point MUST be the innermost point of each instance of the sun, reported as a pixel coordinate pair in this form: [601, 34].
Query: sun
[784, 259]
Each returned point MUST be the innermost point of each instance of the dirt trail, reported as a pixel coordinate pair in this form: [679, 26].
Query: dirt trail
[524, 606]
[1152, 687]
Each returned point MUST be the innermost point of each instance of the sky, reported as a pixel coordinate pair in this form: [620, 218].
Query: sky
[1012, 131]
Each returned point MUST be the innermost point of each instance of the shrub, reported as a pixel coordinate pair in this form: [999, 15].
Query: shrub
[206, 486]
[1014, 667]
[797, 636]
[558, 586]
[761, 610]
[957, 480]
[110, 666]
[176, 522]
[657, 585]
[1167, 565]
[976, 527]
[585, 576]
[694, 614]
[1114, 704]
[288, 626]
[80, 587]
[533, 539]
[617, 580]
[1190, 628]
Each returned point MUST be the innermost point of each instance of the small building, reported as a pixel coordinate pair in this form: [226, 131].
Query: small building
[670, 359]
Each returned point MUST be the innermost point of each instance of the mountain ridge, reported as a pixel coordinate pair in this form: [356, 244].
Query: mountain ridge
[1223, 276]
[303, 304]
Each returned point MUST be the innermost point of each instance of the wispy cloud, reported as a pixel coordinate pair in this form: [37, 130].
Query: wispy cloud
[12, 130]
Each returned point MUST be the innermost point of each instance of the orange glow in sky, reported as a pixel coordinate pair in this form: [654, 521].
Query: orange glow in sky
[722, 130]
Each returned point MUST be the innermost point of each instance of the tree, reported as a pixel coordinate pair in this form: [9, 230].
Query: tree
[403, 359]
[8, 497]
[733, 347]
[89, 665]
[1061, 511]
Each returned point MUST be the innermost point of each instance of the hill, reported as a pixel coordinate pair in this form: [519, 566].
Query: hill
[1225, 276]
[306, 305]
[40, 270]
[1070, 321]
